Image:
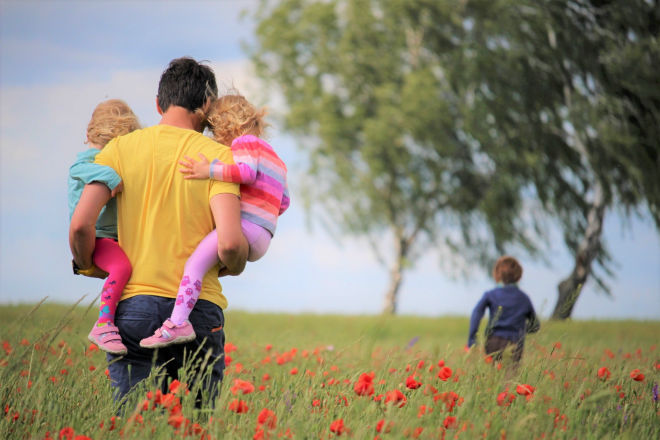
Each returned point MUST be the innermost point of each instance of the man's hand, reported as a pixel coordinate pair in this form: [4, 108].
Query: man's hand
[195, 170]
[92, 272]
[119, 188]
[225, 272]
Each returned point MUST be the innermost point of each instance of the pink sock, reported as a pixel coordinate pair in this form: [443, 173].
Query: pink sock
[204, 258]
[109, 257]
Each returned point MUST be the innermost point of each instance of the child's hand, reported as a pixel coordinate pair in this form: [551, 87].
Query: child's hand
[195, 170]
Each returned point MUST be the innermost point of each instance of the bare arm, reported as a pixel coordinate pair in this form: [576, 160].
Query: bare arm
[232, 245]
[82, 231]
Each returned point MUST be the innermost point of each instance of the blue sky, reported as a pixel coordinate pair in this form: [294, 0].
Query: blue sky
[59, 59]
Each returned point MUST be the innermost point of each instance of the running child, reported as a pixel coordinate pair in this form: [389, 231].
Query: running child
[110, 119]
[264, 197]
[511, 314]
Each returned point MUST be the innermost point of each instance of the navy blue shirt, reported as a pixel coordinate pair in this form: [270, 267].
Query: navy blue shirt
[509, 311]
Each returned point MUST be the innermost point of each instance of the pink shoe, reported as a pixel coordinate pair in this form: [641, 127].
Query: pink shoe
[168, 334]
[107, 338]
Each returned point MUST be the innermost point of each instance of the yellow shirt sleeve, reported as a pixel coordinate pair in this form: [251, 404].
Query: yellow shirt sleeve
[108, 156]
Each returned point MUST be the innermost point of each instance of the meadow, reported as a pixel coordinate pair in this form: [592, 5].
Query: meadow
[321, 377]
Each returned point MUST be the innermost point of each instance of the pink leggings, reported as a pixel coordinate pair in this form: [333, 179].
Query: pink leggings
[109, 257]
[204, 258]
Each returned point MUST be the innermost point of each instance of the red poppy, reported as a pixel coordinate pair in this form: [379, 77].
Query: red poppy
[444, 373]
[450, 422]
[293, 371]
[364, 385]
[637, 375]
[238, 406]
[505, 398]
[450, 398]
[604, 373]
[242, 386]
[395, 396]
[175, 386]
[412, 384]
[66, 433]
[338, 427]
[525, 390]
[267, 417]
[381, 425]
[176, 420]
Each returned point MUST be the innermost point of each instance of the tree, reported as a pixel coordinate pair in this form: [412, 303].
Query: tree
[382, 120]
[571, 87]
[430, 116]
[625, 170]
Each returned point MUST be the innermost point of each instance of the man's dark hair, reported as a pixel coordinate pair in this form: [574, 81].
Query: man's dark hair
[186, 83]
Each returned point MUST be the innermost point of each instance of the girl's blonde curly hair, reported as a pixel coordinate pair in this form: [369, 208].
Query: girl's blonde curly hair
[231, 116]
[110, 119]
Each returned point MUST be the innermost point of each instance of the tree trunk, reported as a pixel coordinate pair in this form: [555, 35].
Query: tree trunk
[396, 275]
[569, 289]
[392, 295]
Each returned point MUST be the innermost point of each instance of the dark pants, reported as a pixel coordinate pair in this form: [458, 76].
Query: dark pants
[495, 346]
[139, 317]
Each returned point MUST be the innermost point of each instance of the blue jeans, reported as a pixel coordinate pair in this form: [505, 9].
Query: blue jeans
[139, 317]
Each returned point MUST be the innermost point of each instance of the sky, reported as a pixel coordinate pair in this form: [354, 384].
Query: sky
[59, 59]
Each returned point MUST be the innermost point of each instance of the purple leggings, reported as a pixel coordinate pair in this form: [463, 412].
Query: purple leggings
[204, 258]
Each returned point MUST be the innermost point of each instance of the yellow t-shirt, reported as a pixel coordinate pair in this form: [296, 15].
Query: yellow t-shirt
[162, 217]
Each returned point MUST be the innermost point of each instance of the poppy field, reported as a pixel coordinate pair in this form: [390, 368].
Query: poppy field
[323, 377]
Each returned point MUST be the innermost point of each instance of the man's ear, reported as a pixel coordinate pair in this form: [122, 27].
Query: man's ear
[160, 111]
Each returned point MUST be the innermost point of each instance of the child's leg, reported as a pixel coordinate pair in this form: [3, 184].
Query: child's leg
[257, 237]
[109, 257]
[112, 259]
[202, 259]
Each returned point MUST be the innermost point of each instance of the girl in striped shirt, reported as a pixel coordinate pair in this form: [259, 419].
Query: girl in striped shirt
[264, 197]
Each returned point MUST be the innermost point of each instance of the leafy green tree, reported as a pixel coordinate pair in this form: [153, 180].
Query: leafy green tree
[381, 121]
[426, 117]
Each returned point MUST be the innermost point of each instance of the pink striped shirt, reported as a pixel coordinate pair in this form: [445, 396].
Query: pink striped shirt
[262, 175]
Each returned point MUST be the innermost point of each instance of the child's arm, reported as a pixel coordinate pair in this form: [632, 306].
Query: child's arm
[286, 201]
[244, 172]
[475, 319]
[533, 323]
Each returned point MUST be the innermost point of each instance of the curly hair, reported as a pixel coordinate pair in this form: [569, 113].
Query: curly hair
[110, 119]
[507, 270]
[231, 116]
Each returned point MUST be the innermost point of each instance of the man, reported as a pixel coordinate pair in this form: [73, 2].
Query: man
[161, 218]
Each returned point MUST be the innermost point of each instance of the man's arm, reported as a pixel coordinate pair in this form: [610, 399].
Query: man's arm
[232, 245]
[82, 231]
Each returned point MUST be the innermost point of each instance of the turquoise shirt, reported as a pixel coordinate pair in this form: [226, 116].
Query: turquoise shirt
[84, 171]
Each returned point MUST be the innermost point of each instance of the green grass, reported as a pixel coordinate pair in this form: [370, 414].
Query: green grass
[50, 380]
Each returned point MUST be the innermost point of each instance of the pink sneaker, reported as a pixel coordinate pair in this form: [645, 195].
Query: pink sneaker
[107, 338]
[169, 334]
